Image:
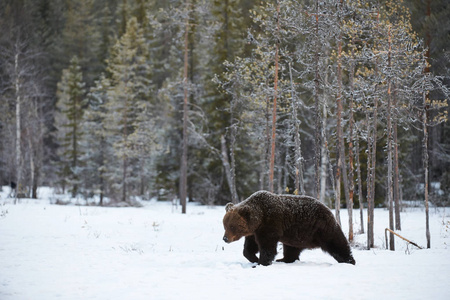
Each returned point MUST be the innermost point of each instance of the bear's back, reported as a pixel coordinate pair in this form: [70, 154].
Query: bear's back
[290, 208]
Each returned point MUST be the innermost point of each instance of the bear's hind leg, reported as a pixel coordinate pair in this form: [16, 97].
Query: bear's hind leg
[290, 254]
[251, 248]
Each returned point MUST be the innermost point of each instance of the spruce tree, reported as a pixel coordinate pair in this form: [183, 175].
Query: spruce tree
[80, 36]
[95, 143]
[68, 118]
[128, 87]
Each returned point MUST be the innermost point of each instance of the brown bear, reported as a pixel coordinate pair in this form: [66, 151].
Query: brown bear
[299, 222]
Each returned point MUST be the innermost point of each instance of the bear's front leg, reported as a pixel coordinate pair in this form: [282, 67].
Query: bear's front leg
[290, 254]
[251, 248]
[267, 249]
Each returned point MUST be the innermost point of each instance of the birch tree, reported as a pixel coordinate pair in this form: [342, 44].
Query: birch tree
[17, 64]
[24, 94]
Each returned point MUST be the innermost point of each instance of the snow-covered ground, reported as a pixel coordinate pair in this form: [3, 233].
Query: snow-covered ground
[50, 251]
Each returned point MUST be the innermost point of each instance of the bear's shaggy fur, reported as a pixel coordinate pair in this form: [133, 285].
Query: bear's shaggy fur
[299, 222]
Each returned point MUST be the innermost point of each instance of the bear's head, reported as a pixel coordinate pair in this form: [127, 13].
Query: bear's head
[237, 222]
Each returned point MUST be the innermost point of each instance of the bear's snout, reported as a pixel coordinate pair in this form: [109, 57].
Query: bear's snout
[231, 238]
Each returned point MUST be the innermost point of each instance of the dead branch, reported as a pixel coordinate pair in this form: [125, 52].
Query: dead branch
[412, 243]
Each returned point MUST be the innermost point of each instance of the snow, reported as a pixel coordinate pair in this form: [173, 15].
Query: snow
[52, 251]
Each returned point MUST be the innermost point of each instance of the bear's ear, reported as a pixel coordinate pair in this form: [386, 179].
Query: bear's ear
[229, 207]
[245, 212]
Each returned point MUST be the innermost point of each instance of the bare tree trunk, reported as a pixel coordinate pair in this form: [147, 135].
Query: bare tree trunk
[360, 193]
[398, 225]
[125, 158]
[340, 155]
[34, 183]
[36, 151]
[18, 129]
[263, 168]
[299, 185]
[75, 148]
[274, 109]
[233, 160]
[325, 153]
[124, 177]
[337, 200]
[324, 159]
[389, 151]
[280, 165]
[390, 173]
[317, 130]
[32, 165]
[102, 169]
[274, 124]
[125, 155]
[286, 171]
[141, 180]
[425, 132]
[350, 152]
[425, 168]
[101, 188]
[183, 175]
[369, 181]
[373, 171]
[265, 153]
[228, 171]
[371, 167]
[351, 182]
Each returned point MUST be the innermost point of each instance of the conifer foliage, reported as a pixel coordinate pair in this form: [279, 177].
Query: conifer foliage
[68, 119]
[125, 112]
[212, 100]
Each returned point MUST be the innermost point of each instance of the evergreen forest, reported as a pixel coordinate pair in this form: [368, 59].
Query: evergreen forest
[212, 100]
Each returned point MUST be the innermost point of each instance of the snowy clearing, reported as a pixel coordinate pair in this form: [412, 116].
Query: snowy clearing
[78, 252]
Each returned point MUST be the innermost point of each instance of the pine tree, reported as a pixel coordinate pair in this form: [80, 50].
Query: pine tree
[399, 50]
